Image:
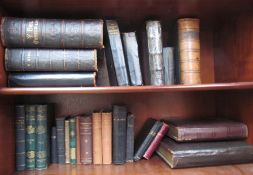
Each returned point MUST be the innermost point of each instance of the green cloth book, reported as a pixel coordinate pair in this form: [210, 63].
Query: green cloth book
[72, 140]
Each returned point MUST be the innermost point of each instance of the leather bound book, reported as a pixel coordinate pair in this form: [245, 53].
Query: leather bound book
[51, 33]
[53, 146]
[107, 137]
[147, 135]
[168, 60]
[116, 53]
[155, 50]
[130, 138]
[30, 136]
[133, 60]
[60, 140]
[78, 158]
[103, 78]
[184, 155]
[189, 50]
[23, 60]
[206, 129]
[20, 131]
[119, 134]
[86, 139]
[41, 158]
[97, 137]
[51, 79]
[67, 149]
[72, 140]
[155, 143]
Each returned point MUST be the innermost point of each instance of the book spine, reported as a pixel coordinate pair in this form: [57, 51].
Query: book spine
[155, 143]
[133, 60]
[51, 33]
[103, 78]
[23, 60]
[56, 79]
[130, 138]
[67, 152]
[53, 146]
[168, 60]
[41, 159]
[20, 137]
[117, 52]
[154, 39]
[30, 136]
[78, 158]
[60, 140]
[189, 50]
[86, 139]
[119, 134]
[97, 137]
[107, 137]
[72, 140]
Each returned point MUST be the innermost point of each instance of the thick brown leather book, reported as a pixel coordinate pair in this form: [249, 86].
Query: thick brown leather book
[67, 149]
[86, 139]
[107, 137]
[23, 60]
[51, 33]
[97, 137]
[78, 158]
[182, 155]
[206, 129]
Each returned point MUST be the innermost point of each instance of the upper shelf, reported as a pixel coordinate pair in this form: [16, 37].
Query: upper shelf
[125, 89]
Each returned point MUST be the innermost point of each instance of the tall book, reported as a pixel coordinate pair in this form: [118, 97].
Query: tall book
[72, 140]
[206, 129]
[20, 131]
[169, 64]
[53, 146]
[107, 137]
[189, 50]
[133, 60]
[86, 139]
[51, 33]
[155, 52]
[78, 158]
[97, 137]
[51, 79]
[119, 134]
[147, 135]
[60, 140]
[130, 138]
[115, 52]
[25, 59]
[183, 155]
[42, 149]
[67, 149]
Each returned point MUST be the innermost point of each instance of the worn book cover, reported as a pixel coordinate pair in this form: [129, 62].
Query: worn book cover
[107, 137]
[130, 138]
[67, 149]
[60, 136]
[86, 139]
[169, 65]
[97, 137]
[53, 146]
[72, 140]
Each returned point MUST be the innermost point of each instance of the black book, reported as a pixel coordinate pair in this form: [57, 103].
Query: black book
[53, 146]
[130, 138]
[119, 134]
[60, 136]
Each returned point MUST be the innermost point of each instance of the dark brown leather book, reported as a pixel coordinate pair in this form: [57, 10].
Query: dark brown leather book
[182, 155]
[50, 60]
[103, 78]
[51, 33]
[204, 130]
[51, 79]
[130, 138]
[86, 139]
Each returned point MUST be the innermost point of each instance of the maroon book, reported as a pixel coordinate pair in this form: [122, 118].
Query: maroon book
[155, 143]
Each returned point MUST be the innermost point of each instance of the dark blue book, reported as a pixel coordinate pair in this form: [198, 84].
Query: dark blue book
[53, 146]
[130, 138]
[60, 135]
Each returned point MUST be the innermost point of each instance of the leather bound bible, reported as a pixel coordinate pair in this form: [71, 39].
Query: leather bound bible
[78, 148]
[155, 143]
[133, 60]
[107, 137]
[51, 79]
[119, 134]
[189, 50]
[51, 33]
[20, 131]
[30, 137]
[183, 155]
[53, 146]
[67, 149]
[148, 133]
[72, 140]
[60, 140]
[86, 139]
[130, 138]
[168, 60]
[97, 137]
[208, 129]
[155, 50]
[23, 60]
[115, 52]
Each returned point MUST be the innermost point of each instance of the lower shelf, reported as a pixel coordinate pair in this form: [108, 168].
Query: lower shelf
[154, 166]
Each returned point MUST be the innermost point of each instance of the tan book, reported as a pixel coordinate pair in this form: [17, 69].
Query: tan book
[97, 137]
[78, 157]
[107, 137]
[67, 153]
